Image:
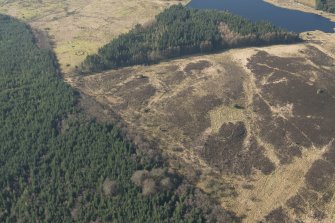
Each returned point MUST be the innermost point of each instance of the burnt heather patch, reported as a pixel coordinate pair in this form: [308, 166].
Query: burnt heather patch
[197, 66]
[189, 113]
[295, 106]
[278, 215]
[226, 151]
[294, 110]
[319, 189]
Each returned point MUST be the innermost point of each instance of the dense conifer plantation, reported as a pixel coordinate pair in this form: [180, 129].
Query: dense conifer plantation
[326, 5]
[183, 31]
[56, 165]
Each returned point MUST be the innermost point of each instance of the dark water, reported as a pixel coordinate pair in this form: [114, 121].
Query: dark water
[257, 10]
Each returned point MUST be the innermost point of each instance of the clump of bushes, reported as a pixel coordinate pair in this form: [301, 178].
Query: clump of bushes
[154, 181]
[110, 187]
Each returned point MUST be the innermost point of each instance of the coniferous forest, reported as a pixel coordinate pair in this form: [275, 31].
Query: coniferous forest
[58, 165]
[326, 5]
[179, 31]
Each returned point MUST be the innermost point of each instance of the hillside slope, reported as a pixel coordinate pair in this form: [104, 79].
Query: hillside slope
[256, 124]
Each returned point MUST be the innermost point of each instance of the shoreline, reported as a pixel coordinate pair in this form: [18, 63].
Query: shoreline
[291, 4]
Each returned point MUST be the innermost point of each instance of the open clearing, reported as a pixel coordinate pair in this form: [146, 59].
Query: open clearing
[80, 27]
[310, 3]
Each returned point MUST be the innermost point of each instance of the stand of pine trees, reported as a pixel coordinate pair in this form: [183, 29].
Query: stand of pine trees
[326, 5]
[179, 31]
[57, 165]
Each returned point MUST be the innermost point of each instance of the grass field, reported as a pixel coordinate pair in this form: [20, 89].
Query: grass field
[79, 27]
[310, 3]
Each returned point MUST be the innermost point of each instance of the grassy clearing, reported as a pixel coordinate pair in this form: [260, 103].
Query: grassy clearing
[80, 27]
[30, 10]
[225, 114]
[72, 53]
[310, 3]
[274, 190]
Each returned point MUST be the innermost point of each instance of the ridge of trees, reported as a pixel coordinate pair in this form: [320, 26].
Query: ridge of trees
[326, 5]
[57, 165]
[179, 31]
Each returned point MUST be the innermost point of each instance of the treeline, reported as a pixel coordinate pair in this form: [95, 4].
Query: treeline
[181, 31]
[326, 5]
[57, 165]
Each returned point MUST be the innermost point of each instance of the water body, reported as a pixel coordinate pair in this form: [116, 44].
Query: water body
[258, 10]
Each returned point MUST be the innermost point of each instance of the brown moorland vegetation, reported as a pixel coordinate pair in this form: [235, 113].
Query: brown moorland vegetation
[251, 127]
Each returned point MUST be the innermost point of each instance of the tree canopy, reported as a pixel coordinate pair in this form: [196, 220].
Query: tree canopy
[181, 31]
[326, 5]
[56, 164]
